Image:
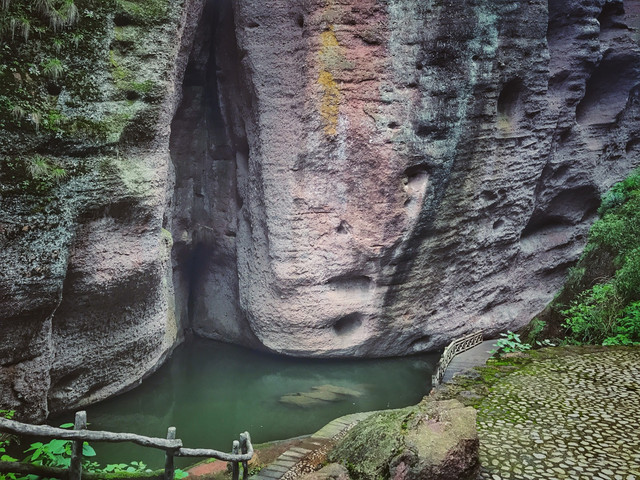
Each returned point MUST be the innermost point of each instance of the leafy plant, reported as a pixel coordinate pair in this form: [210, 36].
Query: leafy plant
[593, 316]
[55, 453]
[536, 327]
[38, 167]
[602, 294]
[510, 342]
[53, 68]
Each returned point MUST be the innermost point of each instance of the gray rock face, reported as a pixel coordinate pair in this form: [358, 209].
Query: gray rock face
[331, 178]
[405, 172]
[86, 293]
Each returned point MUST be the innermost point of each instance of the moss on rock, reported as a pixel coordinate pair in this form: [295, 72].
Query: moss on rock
[435, 440]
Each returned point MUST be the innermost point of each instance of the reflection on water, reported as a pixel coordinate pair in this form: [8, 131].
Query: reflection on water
[212, 391]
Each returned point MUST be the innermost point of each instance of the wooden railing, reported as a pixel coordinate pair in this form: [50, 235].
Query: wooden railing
[241, 452]
[454, 348]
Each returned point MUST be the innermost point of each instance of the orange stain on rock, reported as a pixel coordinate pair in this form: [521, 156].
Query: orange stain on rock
[330, 103]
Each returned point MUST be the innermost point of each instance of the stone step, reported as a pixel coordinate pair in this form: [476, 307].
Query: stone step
[291, 457]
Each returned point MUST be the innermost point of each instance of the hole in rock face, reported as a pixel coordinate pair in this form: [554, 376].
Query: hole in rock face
[497, 224]
[432, 130]
[419, 344]
[567, 208]
[608, 89]
[344, 227]
[509, 98]
[347, 324]
[632, 145]
[132, 95]
[350, 282]
[489, 196]
[53, 89]
[611, 14]
[300, 20]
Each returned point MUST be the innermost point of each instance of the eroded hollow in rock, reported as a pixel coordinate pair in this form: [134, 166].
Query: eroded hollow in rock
[509, 104]
[348, 324]
[608, 89]
[350, 282]
[610, 16]
[569, 207]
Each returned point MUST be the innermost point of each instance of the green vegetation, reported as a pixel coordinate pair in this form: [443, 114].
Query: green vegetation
[34, 175]
[600, 303]
[64, 78]
[509, 343]
[57, 453]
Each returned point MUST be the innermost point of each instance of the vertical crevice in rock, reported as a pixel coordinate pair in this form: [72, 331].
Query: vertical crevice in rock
[204, 150]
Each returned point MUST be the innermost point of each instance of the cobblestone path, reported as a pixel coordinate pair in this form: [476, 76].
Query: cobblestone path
[575, 417]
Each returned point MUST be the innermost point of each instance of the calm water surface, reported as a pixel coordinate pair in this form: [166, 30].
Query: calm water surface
[212, 391]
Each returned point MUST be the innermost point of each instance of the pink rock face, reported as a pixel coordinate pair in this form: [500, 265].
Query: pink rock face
[329, 178]
[411, 173]
[336, 197]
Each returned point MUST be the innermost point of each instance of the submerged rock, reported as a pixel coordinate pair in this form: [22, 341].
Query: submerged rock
[319, 395]
[434, 440]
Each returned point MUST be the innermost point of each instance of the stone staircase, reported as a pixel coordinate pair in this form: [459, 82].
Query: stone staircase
[305, 457]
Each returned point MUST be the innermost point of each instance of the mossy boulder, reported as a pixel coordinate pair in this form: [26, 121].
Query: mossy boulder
[333, 471]
[435, 440]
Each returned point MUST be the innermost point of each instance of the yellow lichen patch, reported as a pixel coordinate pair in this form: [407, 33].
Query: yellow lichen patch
[330, 104]
[328, 39]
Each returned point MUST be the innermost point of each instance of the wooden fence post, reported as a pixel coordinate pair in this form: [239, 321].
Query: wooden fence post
[235, 469]
[244, 448]
[169, 467]
[75, 469]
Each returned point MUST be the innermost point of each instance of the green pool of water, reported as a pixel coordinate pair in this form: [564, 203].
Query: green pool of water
[212, 391]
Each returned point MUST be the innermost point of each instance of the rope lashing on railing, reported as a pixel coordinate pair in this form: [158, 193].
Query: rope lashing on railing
[242, 451]
[457, 346]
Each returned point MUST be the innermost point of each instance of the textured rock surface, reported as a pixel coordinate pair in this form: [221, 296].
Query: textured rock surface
[86, 297]
[406, 171]
[351, 178]
[435, 440]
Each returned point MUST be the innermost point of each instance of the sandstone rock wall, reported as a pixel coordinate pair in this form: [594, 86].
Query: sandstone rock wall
[331, 178]
[415, 170]
[86, 292]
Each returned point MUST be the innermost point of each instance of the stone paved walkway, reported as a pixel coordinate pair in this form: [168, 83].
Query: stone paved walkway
[575, 417]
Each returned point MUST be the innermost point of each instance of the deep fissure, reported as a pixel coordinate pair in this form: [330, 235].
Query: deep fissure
[206, 198]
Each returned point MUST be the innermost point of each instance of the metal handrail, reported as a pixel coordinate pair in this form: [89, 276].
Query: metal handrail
[454, 348]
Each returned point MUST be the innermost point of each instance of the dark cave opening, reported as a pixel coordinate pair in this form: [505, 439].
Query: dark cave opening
[608, 89]
[509, 99]
[206, 197]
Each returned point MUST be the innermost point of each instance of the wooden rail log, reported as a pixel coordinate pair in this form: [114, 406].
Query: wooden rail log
[204, 452]
[242, 450]
[45, 431]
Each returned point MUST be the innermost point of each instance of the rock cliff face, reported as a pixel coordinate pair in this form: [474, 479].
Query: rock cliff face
[331, 178]
[406, 172]
[86, 296]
